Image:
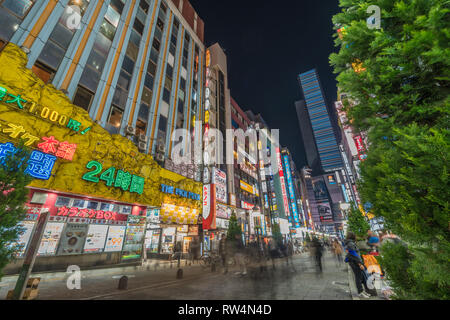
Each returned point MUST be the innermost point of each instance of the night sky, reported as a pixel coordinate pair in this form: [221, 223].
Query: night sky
[268, 43]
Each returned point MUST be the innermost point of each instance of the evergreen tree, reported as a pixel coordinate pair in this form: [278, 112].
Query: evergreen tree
[357, 223]
[276, 234]
[397, 79]
[13, 196]
[234, 228]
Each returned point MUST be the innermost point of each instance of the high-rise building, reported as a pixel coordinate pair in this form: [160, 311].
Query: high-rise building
[322, 130]
[137, 67]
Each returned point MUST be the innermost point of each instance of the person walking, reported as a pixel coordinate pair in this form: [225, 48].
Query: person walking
[177, 251]
[337, 250]
[353, 258]
[223, 252]
[318, 252]
[239, 255]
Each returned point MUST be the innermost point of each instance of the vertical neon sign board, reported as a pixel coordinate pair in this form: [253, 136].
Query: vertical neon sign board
[283, 183]
[291, 191]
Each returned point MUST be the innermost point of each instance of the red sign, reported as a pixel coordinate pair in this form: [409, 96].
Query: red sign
[246, 205]
[91, 214]
[209, 207]
[359, 143]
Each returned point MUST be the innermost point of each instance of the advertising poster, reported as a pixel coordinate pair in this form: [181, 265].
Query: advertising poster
[25, 236]
[114, 240]
[222, 211]
[325, 212]
[73, 238]
[134, 239]
[95, 241]
[220, 181]
[50, 238]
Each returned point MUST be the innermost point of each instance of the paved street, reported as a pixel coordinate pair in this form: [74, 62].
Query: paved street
[297, 282]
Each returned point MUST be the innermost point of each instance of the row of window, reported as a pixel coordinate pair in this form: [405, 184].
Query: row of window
[95, 205]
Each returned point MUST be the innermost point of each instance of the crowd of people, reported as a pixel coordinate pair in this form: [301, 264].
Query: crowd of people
[258, 253]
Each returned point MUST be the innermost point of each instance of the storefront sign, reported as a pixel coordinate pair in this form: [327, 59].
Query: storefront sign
[123, 180]
[179, 192]
[291, 192]
[209, 208]
[171, 213]
[246, 205]
[223, 211]
[50, 238]
[249, 188]
[24, 236]
[283, 183]
[135, 237]
[40, 165]
[63, 150]
[90, 213]
[44, 113]
[72, 239]
[222, 223]
[96, 236]
[220, 181]
[114, 240]
[233, 199]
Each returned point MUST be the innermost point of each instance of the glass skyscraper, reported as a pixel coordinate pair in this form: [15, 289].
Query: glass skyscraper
[323, 133]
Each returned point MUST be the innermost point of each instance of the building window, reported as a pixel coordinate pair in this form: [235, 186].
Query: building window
[83, 98]
[115, 117]
[44, 73]
[166, 95]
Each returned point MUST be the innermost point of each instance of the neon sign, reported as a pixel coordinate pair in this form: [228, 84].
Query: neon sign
[40, 165]
[42, 112]
[179, 192]
[124, 180]
[91, 214]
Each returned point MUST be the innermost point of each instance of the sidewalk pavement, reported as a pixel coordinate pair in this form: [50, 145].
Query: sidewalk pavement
[8, 282]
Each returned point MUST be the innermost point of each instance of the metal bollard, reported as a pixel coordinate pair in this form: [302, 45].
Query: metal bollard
[213, 267]
[123, 283]
[180, 274]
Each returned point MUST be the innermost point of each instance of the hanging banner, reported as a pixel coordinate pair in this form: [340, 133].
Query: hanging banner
[220, 181]
[209, 207]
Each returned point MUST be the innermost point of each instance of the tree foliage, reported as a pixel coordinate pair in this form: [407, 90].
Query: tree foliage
[234, 228]
[401, 98]
[357, 223]
[13, 195]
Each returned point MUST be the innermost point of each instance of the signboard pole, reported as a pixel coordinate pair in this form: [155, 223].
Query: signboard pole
[30, 256]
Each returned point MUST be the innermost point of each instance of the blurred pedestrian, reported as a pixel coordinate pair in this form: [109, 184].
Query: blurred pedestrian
[318, 252]
[223, 252]
[177, 252]
[239, 255]
[353, 258]
[337, 250]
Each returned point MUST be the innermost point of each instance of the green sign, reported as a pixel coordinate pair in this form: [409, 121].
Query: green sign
[124, 180]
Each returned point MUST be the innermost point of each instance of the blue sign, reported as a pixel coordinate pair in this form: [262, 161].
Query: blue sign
[345, 193]
[40, 165]
[179, 192]
[291, 192]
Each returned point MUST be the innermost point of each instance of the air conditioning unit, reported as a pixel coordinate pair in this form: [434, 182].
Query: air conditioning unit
[142, 146]
[161, 148]
[130, 130]
[159, 157]
[143, 138]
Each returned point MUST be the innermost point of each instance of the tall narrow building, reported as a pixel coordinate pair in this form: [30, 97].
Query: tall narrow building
[317, 119]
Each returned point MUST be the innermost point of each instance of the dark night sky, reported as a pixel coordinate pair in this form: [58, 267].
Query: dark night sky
[268, 43]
